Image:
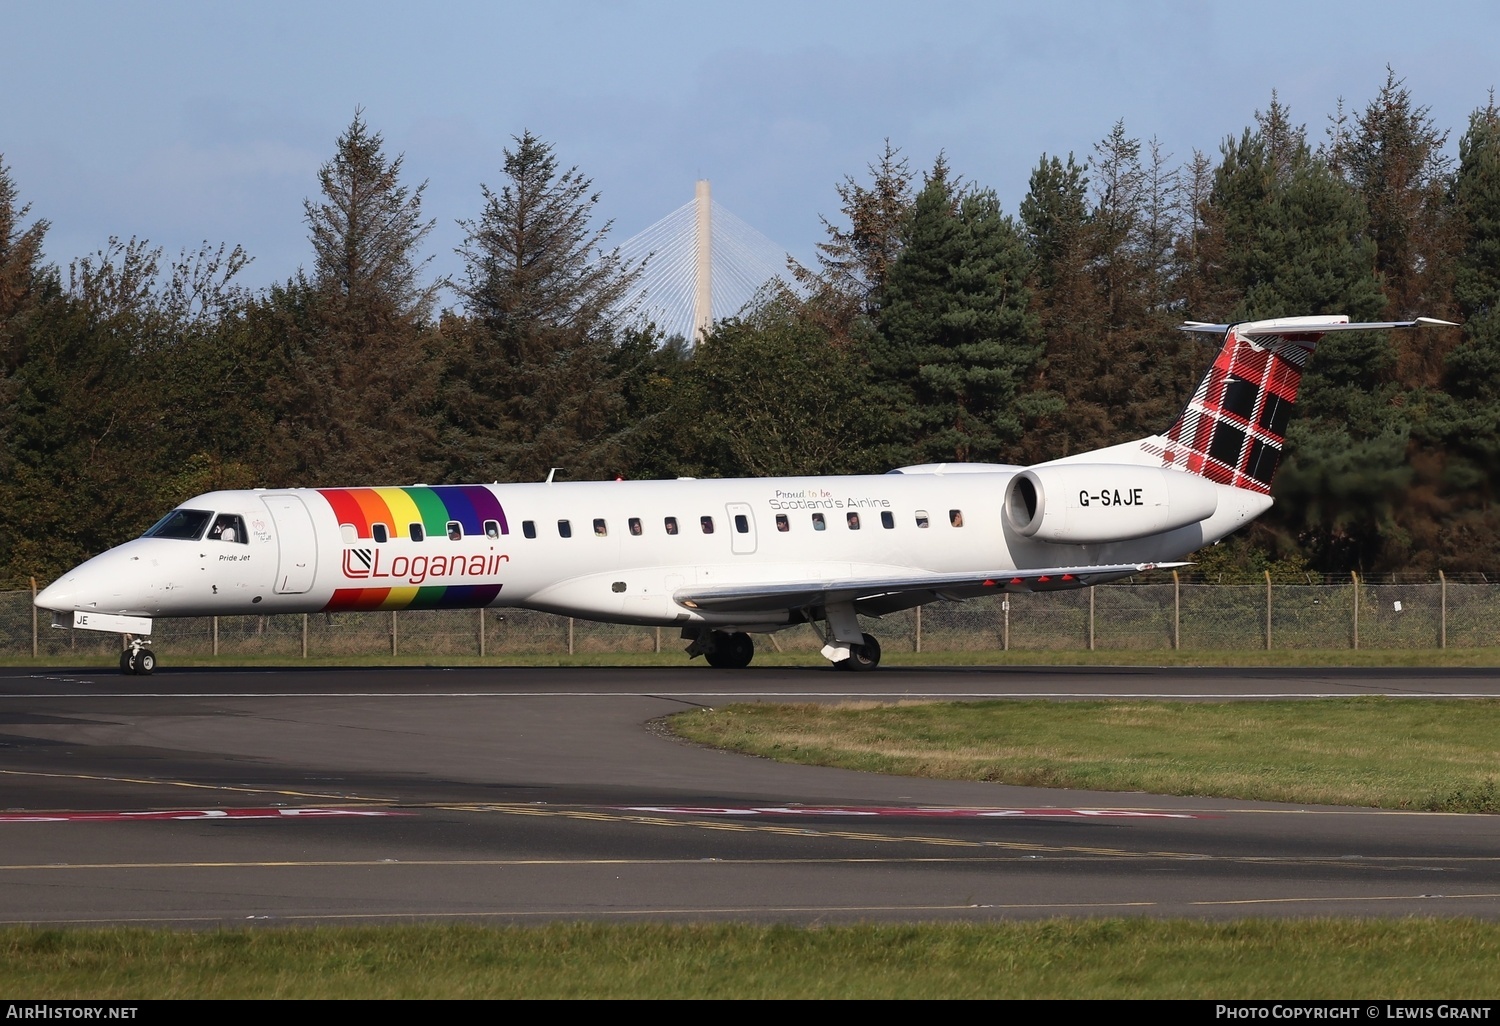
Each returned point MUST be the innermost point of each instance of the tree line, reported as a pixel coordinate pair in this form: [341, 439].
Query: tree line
[931, 327]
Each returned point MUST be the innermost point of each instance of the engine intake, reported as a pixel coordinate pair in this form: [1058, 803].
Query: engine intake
[1082, 503]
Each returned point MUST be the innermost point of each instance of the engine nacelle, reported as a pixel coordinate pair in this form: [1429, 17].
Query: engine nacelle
[1086, 503]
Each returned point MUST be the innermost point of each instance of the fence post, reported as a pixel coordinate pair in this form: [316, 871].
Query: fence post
[1268, 610]
[393, 632]
[1005, 632]
[1091, 618]
[304, 635]
[658, 639]
[917, 632]
[570, 635]
[1354, 578]
[481, 632]
[34, 649]
[216, 636]
[1443, 614]
[1176, 611]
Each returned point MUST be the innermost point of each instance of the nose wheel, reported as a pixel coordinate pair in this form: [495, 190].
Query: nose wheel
[138, 659]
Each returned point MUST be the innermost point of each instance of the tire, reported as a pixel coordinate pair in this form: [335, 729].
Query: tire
[865, 656]
[730, 651]
[145, 662]
[125, 666]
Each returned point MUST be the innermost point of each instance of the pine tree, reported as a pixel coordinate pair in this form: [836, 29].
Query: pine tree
[532, 384]
[356, 389]
[957, 341]
[366, 230]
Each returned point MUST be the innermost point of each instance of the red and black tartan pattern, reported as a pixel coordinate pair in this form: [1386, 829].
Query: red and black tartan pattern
[1234, 427]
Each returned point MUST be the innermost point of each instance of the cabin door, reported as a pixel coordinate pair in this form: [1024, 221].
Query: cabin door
[741, 528]
[297, 544]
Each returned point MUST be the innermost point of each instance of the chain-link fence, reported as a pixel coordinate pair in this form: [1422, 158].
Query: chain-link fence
[1179, 613]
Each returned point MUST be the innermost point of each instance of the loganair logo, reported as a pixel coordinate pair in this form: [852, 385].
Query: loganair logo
[358, 562]
[373, 565]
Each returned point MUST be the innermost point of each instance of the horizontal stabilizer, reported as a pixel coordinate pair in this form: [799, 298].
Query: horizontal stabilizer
[746, 598]
[1308, 325]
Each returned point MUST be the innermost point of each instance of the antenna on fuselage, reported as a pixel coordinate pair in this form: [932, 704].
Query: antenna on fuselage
[553, 471]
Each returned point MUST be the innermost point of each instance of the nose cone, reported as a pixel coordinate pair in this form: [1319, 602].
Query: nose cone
[109, 583]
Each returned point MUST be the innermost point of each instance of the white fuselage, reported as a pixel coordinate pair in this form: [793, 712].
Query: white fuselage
[600, 550]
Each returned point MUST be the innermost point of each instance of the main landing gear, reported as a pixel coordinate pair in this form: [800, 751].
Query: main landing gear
[137, 658]
[723, 650]
[733, 650]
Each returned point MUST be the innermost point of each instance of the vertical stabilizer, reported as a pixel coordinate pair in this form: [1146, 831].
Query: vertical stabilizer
[1234, 428]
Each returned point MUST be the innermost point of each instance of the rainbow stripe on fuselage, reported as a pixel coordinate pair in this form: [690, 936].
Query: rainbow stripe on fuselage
[434, 507]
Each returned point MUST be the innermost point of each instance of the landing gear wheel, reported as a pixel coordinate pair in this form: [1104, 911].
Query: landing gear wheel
[141, 661]
[730, 651]
[863, 657]
[125, 666]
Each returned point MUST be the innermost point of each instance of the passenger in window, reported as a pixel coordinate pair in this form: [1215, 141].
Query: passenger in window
[599, 529]
[782, 524]
[635, 525]
[853, 520]
[708, 524]
[956, 517]
[492, 529]
[818, 522]
[921, 518]
[671, 525]
[455, 531]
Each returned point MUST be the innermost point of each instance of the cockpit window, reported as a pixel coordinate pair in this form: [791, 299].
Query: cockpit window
[183, 524]
[229, 527]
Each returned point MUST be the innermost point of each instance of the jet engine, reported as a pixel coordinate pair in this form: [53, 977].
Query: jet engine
[1082, 503]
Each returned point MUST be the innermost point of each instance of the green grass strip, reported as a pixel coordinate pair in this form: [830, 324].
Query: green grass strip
[1110, 958]
[1381, 752]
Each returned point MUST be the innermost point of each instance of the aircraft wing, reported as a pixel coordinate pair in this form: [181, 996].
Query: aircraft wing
[886, 594]
[1308, 326]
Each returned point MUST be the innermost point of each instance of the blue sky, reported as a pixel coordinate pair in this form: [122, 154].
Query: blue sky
[185, 122]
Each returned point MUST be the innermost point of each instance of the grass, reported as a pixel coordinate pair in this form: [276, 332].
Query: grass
[1381, 752]
[1105, 958]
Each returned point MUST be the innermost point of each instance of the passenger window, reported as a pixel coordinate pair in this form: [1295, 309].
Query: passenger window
[956, 517]
[600, 530]
[635, 525]
[350, 533]
[380, 532]
[853, 521]
[418, 532]
[818, 523]
[671, 524]
[742, 523]
[887, 519]
[921, 518]
[455, 531]
[707, 523]
[564, 529]
[528, 528]
[492, 529]
[782, 524]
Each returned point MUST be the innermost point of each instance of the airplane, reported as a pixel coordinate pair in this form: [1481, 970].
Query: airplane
[722, 559]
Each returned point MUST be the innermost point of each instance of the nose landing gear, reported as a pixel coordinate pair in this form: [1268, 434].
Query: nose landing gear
[137, 658]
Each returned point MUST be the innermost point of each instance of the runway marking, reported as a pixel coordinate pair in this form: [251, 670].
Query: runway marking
[192, 814]
[905, 696]
[705, 862]
[232, 788]
[903, 811]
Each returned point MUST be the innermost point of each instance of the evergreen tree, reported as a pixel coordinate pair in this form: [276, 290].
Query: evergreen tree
[366, 230]
[532, 385]
[1464, 423]
[356, 390]
[957, 341]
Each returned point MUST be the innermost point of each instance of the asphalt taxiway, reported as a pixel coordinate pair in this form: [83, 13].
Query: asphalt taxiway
[295, 795]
